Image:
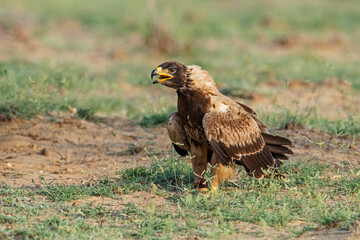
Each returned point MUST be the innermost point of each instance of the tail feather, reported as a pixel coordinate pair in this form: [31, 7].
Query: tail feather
[275, 140]
[278, 146]
[279, 156]
[279, 149]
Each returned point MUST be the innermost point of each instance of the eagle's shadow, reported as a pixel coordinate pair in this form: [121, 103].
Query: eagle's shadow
[175, 175]
[168, 174]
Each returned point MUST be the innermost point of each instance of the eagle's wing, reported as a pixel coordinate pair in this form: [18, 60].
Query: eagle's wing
[177, 134]
[247, 108]
[263, 127]
[278, 146]
[237, 136]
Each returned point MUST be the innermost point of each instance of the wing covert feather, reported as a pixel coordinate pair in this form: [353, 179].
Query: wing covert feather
[236, 136]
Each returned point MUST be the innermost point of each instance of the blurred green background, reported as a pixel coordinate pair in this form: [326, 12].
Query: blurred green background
[98, 55]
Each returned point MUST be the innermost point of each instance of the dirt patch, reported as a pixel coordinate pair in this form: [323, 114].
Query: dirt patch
[312, 145]
[71, 151]
[143, 200]
[330, 45]
[254, 231]
[332, 99]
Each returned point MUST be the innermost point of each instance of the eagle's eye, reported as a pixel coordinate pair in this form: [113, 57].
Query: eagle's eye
[172, 70]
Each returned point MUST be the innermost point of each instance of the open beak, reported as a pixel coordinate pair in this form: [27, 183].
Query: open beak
[162, 75]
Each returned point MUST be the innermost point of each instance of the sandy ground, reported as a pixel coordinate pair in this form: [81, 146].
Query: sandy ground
[73, 151]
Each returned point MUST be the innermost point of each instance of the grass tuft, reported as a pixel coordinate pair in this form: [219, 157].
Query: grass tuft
[154, 120]
[169, 174]
[87, 114]
[285, 118]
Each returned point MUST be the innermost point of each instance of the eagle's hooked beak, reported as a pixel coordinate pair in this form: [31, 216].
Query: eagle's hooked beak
[162, 75]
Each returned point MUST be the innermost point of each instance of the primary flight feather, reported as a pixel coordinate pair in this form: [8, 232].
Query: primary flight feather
[215, 129]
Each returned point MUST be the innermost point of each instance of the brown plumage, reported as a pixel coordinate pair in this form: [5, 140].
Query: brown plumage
[216, 129]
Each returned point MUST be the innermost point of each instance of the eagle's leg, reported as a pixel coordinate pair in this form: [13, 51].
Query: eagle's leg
[177, 134]
[219, 172]
[199, 156]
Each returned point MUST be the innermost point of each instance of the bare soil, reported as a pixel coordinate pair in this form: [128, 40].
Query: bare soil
[73, 151]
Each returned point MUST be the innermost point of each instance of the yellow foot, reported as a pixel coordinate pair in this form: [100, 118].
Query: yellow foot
[207, 193]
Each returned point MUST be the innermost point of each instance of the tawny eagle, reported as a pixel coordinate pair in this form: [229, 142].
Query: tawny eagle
[216, 129]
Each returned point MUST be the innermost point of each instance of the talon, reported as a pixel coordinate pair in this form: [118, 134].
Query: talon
[201, 184]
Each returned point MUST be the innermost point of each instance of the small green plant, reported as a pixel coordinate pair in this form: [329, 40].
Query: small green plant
[285, 118]
[87, 114]
[154, 120]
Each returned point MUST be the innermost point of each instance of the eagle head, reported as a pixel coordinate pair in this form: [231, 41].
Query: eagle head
[171, 74]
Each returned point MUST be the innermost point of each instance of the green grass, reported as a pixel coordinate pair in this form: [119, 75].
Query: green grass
[283, 118]
[154, 120]
[310, 194]
[30, 89]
